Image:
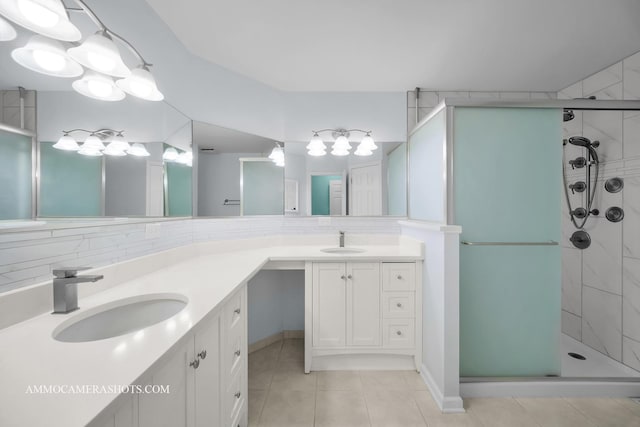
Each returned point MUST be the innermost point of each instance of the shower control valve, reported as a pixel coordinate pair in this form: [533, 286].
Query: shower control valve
[579, 187]
[578, 163]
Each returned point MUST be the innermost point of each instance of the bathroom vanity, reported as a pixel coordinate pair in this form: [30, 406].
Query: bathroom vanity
[361, 309]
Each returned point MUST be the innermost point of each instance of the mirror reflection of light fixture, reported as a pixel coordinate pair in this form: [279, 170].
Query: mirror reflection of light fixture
[94, 144]
[170, 154]
[99, 53]
[277, 155]
[138, 150]
[341, 145]
[7, 32]
[67, 143]
[46, 56]
[46, 17]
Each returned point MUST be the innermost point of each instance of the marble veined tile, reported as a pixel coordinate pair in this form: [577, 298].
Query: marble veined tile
[631, 136]
[602, 321]
[602, 261]
[631, 353]
[631, 219]
[603, 79]
[572, 280]
[631, 298]
[606, 127]
[572, 325]
[631, 68]
[573, 91]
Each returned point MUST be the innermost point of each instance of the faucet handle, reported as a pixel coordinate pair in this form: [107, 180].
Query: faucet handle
[67, 272]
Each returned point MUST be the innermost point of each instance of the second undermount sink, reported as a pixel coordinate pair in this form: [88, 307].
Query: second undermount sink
[120, 317]
[343, 250]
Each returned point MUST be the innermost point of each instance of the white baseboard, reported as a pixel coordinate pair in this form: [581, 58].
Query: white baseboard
[363, 362]
[448, 405]
[550, 389]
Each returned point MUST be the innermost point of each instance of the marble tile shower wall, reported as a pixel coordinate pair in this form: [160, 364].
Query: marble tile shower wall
[10, 109]
[28, 257]
[429, 99]
[601, 284]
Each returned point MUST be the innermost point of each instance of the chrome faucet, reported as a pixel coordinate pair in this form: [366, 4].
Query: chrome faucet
[341, 239]
[65, 289]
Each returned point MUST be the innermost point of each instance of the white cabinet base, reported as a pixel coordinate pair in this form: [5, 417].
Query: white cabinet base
[365, 362]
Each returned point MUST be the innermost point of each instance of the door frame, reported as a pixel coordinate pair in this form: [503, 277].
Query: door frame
[361, 165]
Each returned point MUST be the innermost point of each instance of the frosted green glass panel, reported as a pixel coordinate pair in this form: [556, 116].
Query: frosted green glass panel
[507, 182]
[426, 170]
[262, 188]
[70, 184]
[320, 190]
[397, 181]
[16, 176]
[179, 193]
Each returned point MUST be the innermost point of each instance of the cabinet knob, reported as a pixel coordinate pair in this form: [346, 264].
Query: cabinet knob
[399, 277]
[349, 277]
[398, 332]
[237, 395]
[399, 305]
[237, 353]
[202, 354]
[236, 311]
[343, 277]
[195, 364]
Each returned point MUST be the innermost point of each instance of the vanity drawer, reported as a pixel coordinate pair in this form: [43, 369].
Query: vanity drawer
[398, 276]
[233, 399]
[398, 305]
[398, 333]
[233, 313]
[233, 357]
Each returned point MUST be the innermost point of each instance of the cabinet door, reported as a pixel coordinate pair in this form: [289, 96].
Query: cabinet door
[207, 376]
[363, 304]
[169, 409]
[329, 303]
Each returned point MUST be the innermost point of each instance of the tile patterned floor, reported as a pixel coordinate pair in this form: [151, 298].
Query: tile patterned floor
[281, 395]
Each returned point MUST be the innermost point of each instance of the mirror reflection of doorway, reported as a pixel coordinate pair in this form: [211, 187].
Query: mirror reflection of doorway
[328, 194]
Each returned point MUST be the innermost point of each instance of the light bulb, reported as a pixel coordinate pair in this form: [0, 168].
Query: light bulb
[38, 14]
[99, 88]
[50, 61]
[101, 62]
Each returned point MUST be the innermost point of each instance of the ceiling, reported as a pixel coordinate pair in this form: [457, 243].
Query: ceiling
[224, 140]
[386, 45]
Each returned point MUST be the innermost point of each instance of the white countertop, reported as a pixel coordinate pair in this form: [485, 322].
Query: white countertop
[29, 356]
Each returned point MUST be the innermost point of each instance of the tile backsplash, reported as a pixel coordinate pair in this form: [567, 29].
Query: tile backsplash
[601, 284]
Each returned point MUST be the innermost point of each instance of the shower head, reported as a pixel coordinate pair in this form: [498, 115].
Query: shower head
[580, 141]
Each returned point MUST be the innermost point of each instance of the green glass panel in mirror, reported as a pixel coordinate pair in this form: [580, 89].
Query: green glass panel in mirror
[16, 176]
[262, 188]
[178, 190]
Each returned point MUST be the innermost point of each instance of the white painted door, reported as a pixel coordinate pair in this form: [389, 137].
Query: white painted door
[329, 304]
[207, 376]
[363, 304]
[155, 189]
[173, 408]
[365, 192]
[335, 197]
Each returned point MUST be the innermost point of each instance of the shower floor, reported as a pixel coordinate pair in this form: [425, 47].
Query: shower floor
[596, 365]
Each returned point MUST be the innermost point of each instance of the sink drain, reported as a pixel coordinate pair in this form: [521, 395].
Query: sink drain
[577, 356]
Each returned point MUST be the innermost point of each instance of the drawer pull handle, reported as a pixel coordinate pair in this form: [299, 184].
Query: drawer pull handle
[237, 353]
[236, 311]
[195, 364]
[343, 277]
[202, 354]
[237, 395]
[399, 305]
[398, 333]
[399, 277]
[349, 277]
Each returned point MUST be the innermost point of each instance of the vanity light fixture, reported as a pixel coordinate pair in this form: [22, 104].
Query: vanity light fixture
[277, 155]
[98, 54]
[94, 144]
[138, 150]
[7, 32]
[341, 145]
[171, 155]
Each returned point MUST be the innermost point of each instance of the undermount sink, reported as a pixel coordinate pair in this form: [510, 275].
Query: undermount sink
[342, 250]
[120, 317]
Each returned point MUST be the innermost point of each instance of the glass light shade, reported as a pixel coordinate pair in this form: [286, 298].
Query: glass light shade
[120, 143]
[182, 159]
[99, 53]
[67, 143]
[277, 154]
[316, 144]
[46, 56]
[7, 32]
[114, 150]
[46, 17]
[138, 150]
[170, 154]
[89, 152]
[141, 84]
[279, 163]
[339, 152]
[341, 144]
[317, 153]
[98, 86]
[368, 143]
[363, 151]
[93, 143]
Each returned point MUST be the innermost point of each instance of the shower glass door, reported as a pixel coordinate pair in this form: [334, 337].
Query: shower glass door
[506, 186]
